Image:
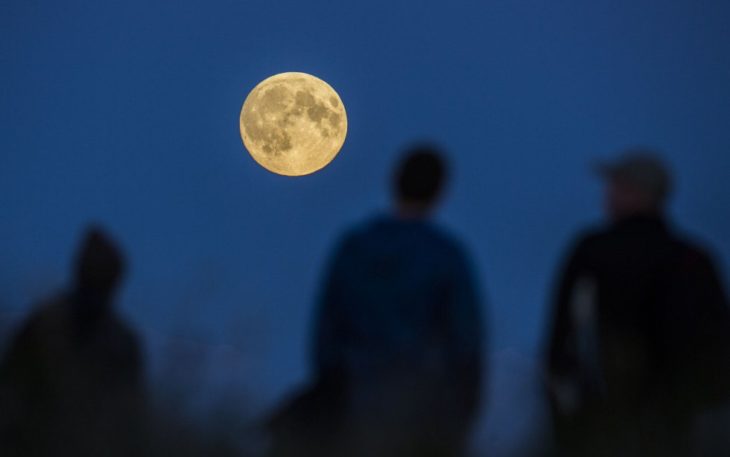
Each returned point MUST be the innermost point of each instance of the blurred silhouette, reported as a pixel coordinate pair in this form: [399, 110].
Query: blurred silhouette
[398, 336]
[638, 343]
[71, 380]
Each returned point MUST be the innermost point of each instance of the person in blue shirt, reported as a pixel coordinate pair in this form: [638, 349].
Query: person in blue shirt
[398, 334]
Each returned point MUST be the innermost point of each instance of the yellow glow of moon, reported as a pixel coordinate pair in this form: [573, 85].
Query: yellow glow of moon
[293, 124]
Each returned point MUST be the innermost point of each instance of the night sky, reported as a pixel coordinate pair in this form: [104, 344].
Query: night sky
[126, 113]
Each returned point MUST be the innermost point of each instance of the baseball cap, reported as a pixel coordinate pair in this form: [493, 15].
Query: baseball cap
[641, 168]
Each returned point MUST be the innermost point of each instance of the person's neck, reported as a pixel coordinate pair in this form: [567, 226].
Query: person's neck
[91, 303]
[408, 211]
[655, 215]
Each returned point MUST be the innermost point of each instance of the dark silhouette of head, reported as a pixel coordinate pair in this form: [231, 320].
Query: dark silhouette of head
[638, 183]
[100, 267]
[419, 180]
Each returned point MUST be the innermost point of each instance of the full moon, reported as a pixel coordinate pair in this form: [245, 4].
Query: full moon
[293, 124]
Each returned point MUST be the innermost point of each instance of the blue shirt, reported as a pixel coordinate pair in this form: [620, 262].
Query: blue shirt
[399, 300]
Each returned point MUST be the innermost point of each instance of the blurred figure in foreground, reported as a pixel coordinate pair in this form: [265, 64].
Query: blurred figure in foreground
[71, 381]
[639, 338]
[398, 338]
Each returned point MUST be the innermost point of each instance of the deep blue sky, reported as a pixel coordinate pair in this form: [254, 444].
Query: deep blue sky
[126, 112]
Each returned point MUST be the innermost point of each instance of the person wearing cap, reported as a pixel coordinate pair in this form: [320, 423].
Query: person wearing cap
[71, 382]
[638, 336]
[397, 353]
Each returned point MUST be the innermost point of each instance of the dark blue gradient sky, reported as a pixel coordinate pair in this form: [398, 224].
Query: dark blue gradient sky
[126, 112]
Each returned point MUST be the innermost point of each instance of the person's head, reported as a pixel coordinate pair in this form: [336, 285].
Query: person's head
[637, 183]
[419, 180]
[99, 266]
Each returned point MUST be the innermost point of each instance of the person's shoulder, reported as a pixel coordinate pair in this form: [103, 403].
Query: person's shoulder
[363, 228]
[694, 253]
[356, 234]
[124, 341]
[591, 237]
[51, 311]
[693, 260]
[125, 334]
[364, 231]
[447, 243]
[447, 238]
[47, 318]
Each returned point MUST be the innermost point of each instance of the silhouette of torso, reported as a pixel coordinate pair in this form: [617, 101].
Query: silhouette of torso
[400, 323]
[72, 384]
[656, 297]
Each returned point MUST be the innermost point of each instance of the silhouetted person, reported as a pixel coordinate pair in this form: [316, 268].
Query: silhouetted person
[398, 333]
[71, 381]
[639, 333]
